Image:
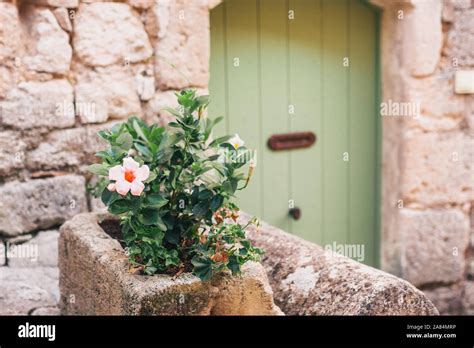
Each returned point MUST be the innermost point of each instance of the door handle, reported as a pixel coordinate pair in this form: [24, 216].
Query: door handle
[290, 141]
[295, 213]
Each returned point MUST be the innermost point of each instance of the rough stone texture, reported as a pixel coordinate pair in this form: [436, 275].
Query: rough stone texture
[468, 298]
[44, 203]
[440, 108]
[434, 240]
[38, 104]
[67, 148]
[109, 33]
[141, 4]
[12, 152]
[62, 16]
[94, 279]
[10, 48]
[419, 167]
[21, 291]
[180, 35]
[308, 280]
[461, 37]
[41, 251]
[51, 310]
[423, 49]
[447, 299]
[145, 86]
[48, 48]
[106, 92]
[438, 168]
[10, 44]
[58, 3]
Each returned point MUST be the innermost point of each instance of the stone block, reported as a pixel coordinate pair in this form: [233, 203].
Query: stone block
[67, 148]
[58, 3]
[447, 299]
[62, 16]
[468, 298]
[48, 49]
[24, 290]
[40, 204]
[438, 168]
[39, 251]
[108, 33]
[308, 280]
[39, 105]
[105, 93]
[440, 109]
[434, 245]
[460, 38]
[181, 39]
[10, 32]
[94, 271]
[12, 152]
[423, 38]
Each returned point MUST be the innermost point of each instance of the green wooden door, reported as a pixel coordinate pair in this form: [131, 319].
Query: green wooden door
[281, 66]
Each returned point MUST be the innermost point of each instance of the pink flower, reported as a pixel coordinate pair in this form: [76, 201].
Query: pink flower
[128, 177]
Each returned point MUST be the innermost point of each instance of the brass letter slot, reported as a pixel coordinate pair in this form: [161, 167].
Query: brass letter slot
[290, 141]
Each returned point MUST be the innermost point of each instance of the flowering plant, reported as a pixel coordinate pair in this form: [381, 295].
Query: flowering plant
[172, 189]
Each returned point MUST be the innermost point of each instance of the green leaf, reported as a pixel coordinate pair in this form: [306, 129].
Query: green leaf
[216, 202]
[120, 206]
[99, 169]
[151, 216]
[234, 264]
[125, 141]
[156, 200]
[108, 197]
[205, 194]
[173, 112]
[144, 151]
[202, 101]
[139, 130]
[151, 177]
[150, 270]
[201, 208]
[221, 140]
[172, 236]
[202, 268]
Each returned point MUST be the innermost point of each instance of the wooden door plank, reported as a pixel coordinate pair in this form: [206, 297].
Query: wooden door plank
[242, 86]
[274, 108]
[305, 96]
[217, 67]
[363, 128]
[334, 138]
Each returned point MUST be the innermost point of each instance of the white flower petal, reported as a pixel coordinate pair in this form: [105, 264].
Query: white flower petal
[130, 164]
[111, 187]
[236, 142]
[116, 173]
[137, 188]
[122, 186]
[142, 173]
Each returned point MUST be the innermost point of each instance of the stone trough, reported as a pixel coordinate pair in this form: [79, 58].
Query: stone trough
[309, 280]
[94, 280]
[306, 280]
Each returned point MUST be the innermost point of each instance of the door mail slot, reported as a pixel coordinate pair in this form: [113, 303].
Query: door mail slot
[290, 141]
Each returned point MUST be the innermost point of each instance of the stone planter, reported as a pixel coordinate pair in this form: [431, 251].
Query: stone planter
[309, 280]
[94, 280]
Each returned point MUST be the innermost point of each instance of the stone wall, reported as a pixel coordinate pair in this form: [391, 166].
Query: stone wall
[69, 68]
[428, 157]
